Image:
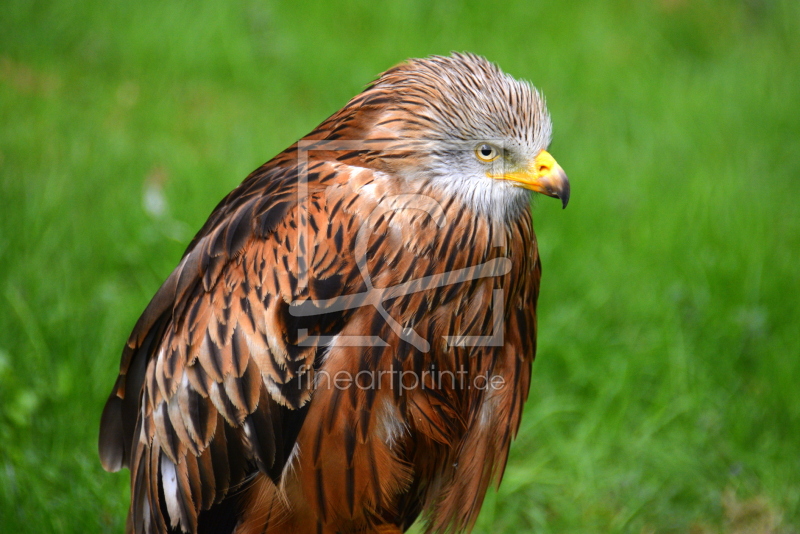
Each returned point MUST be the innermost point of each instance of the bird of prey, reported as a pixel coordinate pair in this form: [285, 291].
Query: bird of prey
[346, 345]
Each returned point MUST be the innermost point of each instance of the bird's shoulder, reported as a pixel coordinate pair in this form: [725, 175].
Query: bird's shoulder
[220, 324]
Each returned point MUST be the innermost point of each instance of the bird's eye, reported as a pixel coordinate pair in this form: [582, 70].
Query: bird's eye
[486, 152]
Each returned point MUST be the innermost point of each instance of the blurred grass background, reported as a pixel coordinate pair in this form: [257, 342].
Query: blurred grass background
[665, 394]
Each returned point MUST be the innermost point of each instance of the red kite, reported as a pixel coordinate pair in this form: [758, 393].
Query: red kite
[346, 345]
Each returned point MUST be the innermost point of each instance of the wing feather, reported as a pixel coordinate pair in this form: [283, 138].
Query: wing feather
[212, 387]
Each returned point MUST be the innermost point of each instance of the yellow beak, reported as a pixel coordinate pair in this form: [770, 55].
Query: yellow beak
[544, 176]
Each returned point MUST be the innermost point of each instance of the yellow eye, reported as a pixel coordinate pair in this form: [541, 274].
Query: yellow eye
[486, 152]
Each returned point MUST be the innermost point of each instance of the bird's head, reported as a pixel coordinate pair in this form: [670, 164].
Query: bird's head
[463, 125]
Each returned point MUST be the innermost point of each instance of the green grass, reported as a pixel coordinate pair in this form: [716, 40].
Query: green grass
[665, 393]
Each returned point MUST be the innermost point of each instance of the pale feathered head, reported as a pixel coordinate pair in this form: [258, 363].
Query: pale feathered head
[461, 124]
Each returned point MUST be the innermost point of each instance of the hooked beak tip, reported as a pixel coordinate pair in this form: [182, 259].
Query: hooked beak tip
[564, 194]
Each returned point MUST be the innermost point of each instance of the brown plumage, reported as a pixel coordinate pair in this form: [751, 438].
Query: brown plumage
[347, 343]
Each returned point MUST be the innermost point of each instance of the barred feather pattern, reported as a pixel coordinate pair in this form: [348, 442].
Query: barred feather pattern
[226, 408]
